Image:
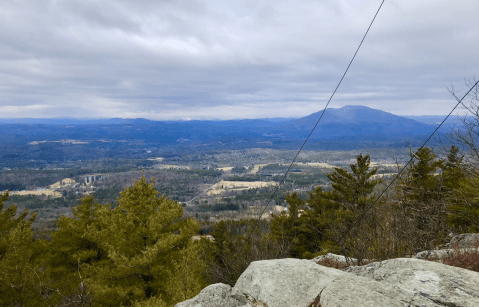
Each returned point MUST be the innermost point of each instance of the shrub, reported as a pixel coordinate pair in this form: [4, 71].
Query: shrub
[466, 258]
[330, 263]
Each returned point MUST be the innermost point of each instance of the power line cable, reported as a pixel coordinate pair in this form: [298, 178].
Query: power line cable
[304, 143]
[397, 176]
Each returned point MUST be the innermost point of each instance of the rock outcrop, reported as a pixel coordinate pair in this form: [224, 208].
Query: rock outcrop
[219, 295]
[465, 240]
[336, 258]
[439, 284]
[394, 282]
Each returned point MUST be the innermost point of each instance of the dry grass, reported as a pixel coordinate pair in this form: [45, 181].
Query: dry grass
[318, 164]
[222, 186]
[62, 183]
[52, 193]
[330, 263]
[466, 258]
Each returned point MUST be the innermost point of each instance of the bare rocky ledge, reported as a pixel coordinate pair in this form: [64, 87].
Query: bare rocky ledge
[404, 282]
[303, 283]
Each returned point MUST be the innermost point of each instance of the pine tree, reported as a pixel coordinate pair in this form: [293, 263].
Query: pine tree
[422, 201]
[461, 194]
[21, 278]
[290, 227]
[72, 248]
[325, 216]
[143, 237]
[354, 190]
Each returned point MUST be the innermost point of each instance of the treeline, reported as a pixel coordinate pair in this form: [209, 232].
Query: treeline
[433, 198]
[142, 252]
[139, 253]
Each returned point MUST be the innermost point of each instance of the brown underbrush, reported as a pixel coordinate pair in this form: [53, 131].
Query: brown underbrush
[330, 263]
[466, 258]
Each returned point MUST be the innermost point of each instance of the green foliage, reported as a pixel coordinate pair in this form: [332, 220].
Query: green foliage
[232, 250]
[187, 272]
[297, 229]
[71, 248]
[354, 189]
[461, 193]
[142, 237]
[314, 225]
[422, 201]
[139, 253]
[239, 170]
[21, 279]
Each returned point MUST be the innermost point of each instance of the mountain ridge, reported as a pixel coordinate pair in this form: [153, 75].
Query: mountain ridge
[346, 128]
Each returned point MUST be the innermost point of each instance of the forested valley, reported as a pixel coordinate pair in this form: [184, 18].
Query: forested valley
[146, 249]
[154, 231]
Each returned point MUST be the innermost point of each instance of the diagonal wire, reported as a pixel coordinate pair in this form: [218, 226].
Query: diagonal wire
[397, 176]
[299, 151]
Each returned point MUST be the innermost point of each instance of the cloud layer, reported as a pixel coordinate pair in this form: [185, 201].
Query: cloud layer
[205, 59]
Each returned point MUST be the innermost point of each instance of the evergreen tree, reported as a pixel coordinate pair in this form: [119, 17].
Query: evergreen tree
[422, 201]
[144, 236]
[461, 194]
[327, 218]
[72, 248]
[313, 226]
[21, 278]
[354, 189]
[290, 228]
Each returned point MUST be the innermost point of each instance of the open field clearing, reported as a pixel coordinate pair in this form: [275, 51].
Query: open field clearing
[223, 186]
[52, 193]
[63, 182]
[257, 167]
[317, 164]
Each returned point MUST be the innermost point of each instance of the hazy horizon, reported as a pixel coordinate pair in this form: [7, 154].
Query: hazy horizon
[189, 119]
[201, 59]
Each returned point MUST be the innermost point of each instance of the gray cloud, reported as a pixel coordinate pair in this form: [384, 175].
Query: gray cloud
[231, 59]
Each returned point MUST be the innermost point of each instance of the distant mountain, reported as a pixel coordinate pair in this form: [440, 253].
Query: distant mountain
[71, 121]
[264, 122]
[346, 128]
[357, 121]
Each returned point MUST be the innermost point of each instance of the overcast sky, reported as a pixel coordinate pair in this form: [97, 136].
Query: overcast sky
[205, 59]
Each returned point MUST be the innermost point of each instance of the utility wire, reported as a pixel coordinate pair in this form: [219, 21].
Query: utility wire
[397, 176]
[305, 141]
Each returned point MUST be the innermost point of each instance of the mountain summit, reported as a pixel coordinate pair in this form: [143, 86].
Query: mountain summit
[355, 121]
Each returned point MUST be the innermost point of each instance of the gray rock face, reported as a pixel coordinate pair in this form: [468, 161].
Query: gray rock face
[442, 253]
[440, 284]
[463, 243]
[217, 295]
[465, 240]
[434, 254]
[294, 282]
[337, 258]
[302, 283]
